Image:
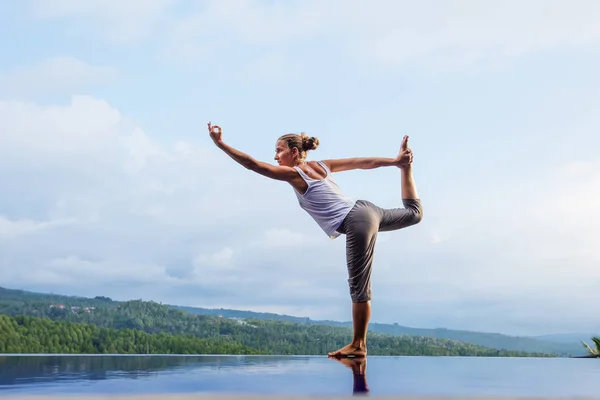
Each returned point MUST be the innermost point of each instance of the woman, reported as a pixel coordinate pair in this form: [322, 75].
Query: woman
[336, 213]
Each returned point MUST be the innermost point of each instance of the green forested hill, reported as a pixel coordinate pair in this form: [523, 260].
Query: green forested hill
[136, 323]
[24, 334]
[268, 336]
[491, 340]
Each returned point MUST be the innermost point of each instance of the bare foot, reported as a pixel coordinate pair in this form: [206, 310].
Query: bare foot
[350, 351]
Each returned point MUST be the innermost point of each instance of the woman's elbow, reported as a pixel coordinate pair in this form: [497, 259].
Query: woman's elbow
[416, 209]
[418, 213]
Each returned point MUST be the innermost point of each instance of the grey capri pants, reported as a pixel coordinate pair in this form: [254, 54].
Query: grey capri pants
[361, 226]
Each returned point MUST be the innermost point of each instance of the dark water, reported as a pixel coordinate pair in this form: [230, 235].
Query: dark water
[301, 375]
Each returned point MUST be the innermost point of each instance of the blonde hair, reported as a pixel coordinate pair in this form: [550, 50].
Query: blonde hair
[302, 142]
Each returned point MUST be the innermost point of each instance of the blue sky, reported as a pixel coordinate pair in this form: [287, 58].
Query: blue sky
[111, 185]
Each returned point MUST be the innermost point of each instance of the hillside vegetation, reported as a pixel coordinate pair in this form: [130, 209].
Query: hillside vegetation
[491, 340]
[24, 334]
[252, 335]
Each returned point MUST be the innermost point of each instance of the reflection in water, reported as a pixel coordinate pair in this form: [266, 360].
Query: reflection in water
[55, 374]
[359, 373]
[35, 369]
[31, 369]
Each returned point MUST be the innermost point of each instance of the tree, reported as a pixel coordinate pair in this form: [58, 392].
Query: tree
[594, 352]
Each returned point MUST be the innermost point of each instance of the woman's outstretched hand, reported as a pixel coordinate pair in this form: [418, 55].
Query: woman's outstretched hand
[405, 156]
[215, 132]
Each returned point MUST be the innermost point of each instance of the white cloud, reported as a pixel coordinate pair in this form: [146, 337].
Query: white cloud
[16, 228]
[122, 22]
[435, 239]
[217, 261]
[86, 128]
[453, 34]
[285, 238]
[462, 33]
[54, 74]
[73, 270]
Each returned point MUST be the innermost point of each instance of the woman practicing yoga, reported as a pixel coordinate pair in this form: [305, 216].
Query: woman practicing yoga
[336, 213]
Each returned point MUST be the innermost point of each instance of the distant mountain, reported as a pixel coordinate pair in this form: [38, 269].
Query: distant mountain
[15, 299]
[566, 337]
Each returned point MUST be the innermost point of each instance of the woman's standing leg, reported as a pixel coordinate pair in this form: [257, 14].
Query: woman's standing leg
[361, 228]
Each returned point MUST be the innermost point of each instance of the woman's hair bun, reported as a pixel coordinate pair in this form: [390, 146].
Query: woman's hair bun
[309, 143]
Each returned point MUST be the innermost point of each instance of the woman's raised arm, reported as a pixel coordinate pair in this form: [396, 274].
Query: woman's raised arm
[404, 157]
[280, 173]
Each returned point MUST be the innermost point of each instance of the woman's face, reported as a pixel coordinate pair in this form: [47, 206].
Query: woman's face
[284, 155]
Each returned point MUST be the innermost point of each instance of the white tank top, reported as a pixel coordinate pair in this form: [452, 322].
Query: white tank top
[325, 202]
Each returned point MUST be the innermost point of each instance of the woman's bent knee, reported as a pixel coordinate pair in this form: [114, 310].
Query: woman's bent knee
[361, 296]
